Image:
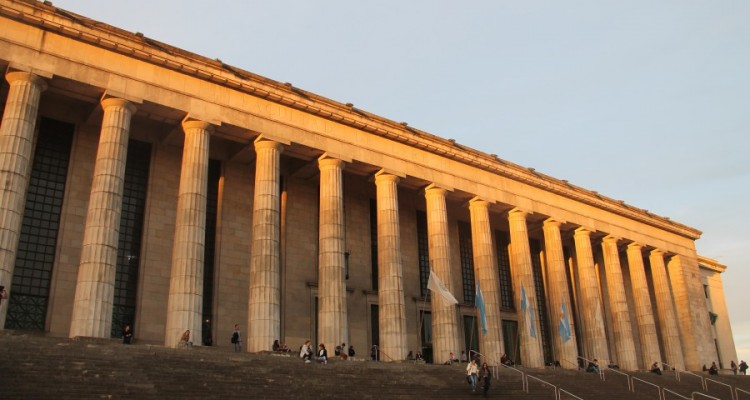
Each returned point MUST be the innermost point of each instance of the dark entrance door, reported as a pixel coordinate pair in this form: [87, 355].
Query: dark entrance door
[510, 338]
[471, 336]
[426, 332]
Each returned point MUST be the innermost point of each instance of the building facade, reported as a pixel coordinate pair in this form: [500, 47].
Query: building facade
[146, 185]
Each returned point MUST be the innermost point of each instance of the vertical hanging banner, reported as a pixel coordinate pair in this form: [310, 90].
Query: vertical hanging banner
[479, 303]
[564, 325]
[528, 310]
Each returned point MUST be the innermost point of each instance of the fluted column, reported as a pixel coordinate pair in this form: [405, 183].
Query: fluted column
[595, 336]
[16, 150]
[332, 321]
[523, 286]
[486, 275]
[644, 312]
[698, 346]
[92, 307]
[391, 308]
[665, 308]
[563, 334]
[618, 303]
[264, 304]
[444, 316]
[185, 304]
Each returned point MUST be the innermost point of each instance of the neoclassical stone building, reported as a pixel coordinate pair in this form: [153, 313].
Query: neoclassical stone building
[142, 184]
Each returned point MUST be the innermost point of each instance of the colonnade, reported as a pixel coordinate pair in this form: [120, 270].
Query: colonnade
[96, 279]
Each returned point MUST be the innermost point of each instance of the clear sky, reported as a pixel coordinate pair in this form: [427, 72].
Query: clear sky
[644, 101]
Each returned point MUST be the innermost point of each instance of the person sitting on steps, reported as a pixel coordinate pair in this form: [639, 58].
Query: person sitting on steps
[713, 370]
[593, 366]
[305, 352]
[655, 368]
[322, 354]
[505, 360]
[185, 340]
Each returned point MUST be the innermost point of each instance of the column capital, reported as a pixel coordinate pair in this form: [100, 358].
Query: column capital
[435, 189]
[27, 77]
[383, 176]
[478, 203]
[551, 222]
[197, 124]
[518, 213]
[633, 245]
[118, 102]
[581, 231]
[262, 143]
[611, 239]
[328, 162]
[656, 253]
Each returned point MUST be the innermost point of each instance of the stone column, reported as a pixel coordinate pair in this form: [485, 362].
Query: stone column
[523, 286]
[665, 307]
[16, 151]
[486, 275]
[696, 332]
[95, 288]
[644, 312]
[264, 303]
[618, 303]
[444, 316]
[563, 334]
[595, 336]
[185, 304]
[332, 321]
[391, 308]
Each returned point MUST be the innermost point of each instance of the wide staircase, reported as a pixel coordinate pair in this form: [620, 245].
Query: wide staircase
[38, 367]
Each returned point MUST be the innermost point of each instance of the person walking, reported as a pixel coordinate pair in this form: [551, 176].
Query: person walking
[237, 338]
[485, 376]
[733, 365]
[472, 370]
[743, 367]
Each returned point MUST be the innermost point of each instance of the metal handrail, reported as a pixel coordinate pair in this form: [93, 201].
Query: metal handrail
[737, 394]
[560, 392]
[378, 352]
[664, 396]
[601, 374]
[676, 371]
[523, 376]
[683, 371]
[658, 388]
[731, 392]
[627, 377]
[704, 395]
[571, 363]
[703, 379]
[542, 381]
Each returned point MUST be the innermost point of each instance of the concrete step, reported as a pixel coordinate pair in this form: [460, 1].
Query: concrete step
[46, 368]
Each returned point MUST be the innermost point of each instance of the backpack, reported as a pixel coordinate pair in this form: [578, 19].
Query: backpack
[235, 337]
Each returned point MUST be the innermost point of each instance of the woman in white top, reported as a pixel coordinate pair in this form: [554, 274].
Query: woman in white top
[471, 371]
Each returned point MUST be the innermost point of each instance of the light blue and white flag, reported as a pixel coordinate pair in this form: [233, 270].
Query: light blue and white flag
[528, 310]
[564, 325]
[479, 302]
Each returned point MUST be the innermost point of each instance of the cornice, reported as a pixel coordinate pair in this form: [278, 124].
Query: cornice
[709, 263]
[52, 19]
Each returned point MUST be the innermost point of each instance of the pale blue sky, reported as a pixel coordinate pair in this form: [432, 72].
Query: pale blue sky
[644, 101]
